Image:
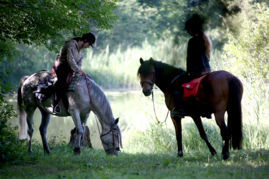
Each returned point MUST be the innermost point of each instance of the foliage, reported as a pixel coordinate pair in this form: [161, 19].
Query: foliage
[250, 47]
[29, 59]
[247, 55]
[35, 21]
[131, 28]
[10, 146]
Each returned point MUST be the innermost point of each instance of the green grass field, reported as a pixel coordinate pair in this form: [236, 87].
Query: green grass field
[149, 150]
[61, 163]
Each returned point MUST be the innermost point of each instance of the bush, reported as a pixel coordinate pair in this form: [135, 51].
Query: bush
[10, 146]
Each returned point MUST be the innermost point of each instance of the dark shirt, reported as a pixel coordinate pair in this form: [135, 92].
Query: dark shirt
[197, 61]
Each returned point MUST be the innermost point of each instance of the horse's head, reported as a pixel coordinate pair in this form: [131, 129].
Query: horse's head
[146, 73]
[111, 140]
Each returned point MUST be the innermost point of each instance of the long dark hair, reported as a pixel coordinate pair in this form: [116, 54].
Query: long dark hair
[195, 23]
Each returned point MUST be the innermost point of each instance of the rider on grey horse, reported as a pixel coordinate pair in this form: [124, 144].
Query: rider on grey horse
[69, 62]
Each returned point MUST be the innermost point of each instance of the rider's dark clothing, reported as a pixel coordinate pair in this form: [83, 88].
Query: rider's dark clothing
[197, 60]
[197, 65]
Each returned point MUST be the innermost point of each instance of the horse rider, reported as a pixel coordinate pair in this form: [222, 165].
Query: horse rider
[68, 62]
[198, 55]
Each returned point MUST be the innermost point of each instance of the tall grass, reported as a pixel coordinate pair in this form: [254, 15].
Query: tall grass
[119, 69]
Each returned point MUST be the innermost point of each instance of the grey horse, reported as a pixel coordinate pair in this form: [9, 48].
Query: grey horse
[87, 96]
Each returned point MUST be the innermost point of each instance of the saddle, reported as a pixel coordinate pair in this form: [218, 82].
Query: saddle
[190, 91]
[45, 87]
[191, 88]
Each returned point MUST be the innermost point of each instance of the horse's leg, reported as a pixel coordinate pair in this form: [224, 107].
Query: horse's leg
[219, 117]
[203, 135]
[76, 118]
[30, 130]
[43, 129]
[177, 124]
[83, 118]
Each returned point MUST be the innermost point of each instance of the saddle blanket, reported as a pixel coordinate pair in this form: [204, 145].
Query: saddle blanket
[191, 88]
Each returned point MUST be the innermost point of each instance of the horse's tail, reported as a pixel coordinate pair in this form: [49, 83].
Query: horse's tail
[235, 112]
[21, 112]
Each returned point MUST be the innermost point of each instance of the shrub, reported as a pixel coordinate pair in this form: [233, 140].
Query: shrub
[10, 146]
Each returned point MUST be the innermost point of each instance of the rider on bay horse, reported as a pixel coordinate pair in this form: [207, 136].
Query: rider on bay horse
[198, 54]
[68, 62]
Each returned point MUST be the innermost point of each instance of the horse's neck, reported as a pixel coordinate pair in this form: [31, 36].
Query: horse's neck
[164, 80]
[101, 107]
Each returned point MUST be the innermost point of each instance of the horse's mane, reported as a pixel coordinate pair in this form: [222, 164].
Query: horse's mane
[144, 68]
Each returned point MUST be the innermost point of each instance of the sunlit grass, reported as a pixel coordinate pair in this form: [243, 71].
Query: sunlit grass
[61, 163]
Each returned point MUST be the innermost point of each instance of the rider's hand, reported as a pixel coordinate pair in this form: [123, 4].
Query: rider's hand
[82, 73]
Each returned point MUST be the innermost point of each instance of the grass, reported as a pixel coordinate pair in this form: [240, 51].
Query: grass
[61, 163]
[149, 150]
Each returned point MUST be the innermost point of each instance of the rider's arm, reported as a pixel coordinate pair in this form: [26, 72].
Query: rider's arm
[71, 54]
[208, 45]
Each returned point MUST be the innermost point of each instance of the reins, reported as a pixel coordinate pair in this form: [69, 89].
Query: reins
[154, 109]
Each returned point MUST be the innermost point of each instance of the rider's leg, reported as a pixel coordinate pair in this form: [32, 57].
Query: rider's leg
[178, 110]
[59, 87]
[56, 98]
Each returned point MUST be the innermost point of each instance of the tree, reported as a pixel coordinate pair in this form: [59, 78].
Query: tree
[248, 50]
[47, 22]
[35, 21]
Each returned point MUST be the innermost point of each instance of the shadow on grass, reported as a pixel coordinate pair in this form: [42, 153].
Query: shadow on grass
[95, 163]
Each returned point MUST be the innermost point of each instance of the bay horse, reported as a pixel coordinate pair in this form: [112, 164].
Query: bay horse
[82, 100]
[219, 91]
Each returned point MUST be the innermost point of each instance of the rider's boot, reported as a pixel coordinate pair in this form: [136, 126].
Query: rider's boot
[178, 110]
[56, 107]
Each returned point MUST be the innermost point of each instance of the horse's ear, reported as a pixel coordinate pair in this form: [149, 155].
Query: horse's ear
[141, 60]
[116, 121]
[151, 60]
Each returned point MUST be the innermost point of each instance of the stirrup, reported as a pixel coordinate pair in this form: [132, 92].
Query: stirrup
[56, 109]
[177, 113]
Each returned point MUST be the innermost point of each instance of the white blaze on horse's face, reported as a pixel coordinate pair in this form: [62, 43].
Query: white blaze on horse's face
[147, 82]
[112, 140]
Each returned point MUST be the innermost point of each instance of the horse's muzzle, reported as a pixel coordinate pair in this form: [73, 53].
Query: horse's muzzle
[112, 152]
[147, 91]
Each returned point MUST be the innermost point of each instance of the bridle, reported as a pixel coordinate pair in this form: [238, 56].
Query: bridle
[151, 83]
[147, 82]
[115, 133]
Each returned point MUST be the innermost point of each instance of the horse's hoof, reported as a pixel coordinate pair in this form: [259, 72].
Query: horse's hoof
[76, 151]
[47, 152]
[213, 152]
[225, 155]
[180, 154]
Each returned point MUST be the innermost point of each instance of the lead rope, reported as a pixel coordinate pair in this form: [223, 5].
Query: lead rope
[88, 87]
[155, 111]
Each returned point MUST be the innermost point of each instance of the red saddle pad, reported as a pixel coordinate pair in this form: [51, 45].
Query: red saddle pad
[191, 88]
